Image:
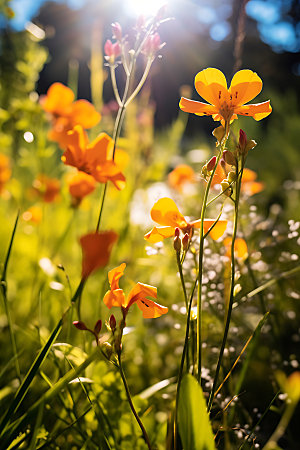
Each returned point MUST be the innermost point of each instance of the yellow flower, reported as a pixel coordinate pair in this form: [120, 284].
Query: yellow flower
[165, 212]
[226, 103]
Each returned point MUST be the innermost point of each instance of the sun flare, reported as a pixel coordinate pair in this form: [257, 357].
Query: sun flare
[144, 7]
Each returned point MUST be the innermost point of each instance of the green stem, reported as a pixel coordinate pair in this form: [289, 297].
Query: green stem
[281, 427]
[201, 254]
[131, 403]
[114, 83]
[231, 297]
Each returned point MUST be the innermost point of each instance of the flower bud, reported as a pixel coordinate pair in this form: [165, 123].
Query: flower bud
[117, 31]
[112, 323]
[177, 232]
[231, 176]
[112, 51]
[80, 325]
[152, 45]
[225, 186]
[211, 164]
[250, 145]
[161, 13]
[177, 244]
[185, 242]
[107, 349]
[98, 326]
[229, 158]
[242, 140]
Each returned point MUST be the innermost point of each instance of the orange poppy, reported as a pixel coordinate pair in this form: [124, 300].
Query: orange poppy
[66, 113]
[5, 171]
[249, 185]
[226, 103]
[165, 212]
[46, 188]
[138, 294]
[93, 158]
[80, 185]
[240, 247]
[96, 250]
[181, 175]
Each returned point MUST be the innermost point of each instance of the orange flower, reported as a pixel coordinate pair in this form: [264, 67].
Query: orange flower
[96, 249]
[138, 294]
[47, 188]
[66, 113]
[181, 175]
[225, 104]
[33, 214]
[240, 247]
[5, 171]
[93, 158]
[165, 212]
[249, 185]
[80, 185]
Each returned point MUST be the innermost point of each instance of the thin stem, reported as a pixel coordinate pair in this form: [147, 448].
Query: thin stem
[141, 83]
[201, 254]
[131, 403]
[231, 297]
[114, 83]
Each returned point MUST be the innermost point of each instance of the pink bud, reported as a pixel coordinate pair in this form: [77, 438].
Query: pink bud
[112, 322]
[117, 31]
[161, 13]
[152, 44]
[112, 50]
[156, 42]
[211, 163]
[80, 325]
[242, 140]
[98, 326]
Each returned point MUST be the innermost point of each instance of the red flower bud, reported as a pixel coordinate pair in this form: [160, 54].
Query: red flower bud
[98, 326]
[117, 31]
[80, 325]
[177, 232]
[242, 140]
[112, 322]
[211, 164]
[185, 241]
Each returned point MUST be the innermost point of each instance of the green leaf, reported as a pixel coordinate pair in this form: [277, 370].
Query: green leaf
[193, 420]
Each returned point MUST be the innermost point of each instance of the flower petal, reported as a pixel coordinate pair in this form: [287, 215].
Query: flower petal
[258, 111]
[58, 99]
[199, 108]
[114, 298]
[245, 86]
[150, 309]
[75, 153]
[240, 247]
[217, 231]
[84, 113]
[157, 234]
[81, 184]
[165, 212]
[96, 249]
[252, 187]
[211, 85]
[139, 292]
[248, 175]
[114, 275]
